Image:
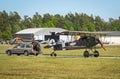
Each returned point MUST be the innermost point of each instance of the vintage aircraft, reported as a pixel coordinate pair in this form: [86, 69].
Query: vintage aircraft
[88, 41]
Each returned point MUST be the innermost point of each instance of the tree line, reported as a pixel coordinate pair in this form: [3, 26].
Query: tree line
[12, 22]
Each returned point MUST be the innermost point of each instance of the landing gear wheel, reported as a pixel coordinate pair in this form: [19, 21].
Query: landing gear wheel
[96, 54]
[86, 54]
[53, 54]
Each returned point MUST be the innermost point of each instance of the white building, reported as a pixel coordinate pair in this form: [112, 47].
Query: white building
[39, 33]
[112, 37]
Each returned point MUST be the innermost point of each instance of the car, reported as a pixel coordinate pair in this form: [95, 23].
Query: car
[2, 42]
[25, 49]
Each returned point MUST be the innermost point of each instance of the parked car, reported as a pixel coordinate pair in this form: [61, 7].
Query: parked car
[2, 42]
[24, 48]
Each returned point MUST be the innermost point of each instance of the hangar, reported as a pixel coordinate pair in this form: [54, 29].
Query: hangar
[37, 33]
[113, 37]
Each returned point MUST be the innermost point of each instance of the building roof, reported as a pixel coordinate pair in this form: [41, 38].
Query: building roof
[115, 33]
[46, 31]
[40, 31]
[111, 33]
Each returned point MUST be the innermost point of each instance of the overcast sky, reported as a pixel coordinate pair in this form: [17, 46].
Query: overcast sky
[104, 8]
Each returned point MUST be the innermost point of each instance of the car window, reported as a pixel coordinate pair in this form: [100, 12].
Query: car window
[22, 46]
[28, 45]
[15, 46]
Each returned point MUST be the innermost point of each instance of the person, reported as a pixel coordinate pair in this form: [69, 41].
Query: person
[35, 45]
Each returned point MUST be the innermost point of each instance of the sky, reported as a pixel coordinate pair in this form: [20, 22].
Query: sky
[104, 8]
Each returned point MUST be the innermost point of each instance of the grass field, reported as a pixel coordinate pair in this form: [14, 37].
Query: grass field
[45, 67]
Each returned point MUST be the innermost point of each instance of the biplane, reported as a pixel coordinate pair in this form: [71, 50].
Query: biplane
[87, 40]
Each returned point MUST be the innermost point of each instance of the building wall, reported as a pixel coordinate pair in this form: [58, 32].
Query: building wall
[111, 39]
[39, 37]
[62, 37]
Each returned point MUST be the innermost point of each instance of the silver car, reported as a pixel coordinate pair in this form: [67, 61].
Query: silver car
[26, 49]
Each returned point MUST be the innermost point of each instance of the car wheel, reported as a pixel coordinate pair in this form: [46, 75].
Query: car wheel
[18, 54]
[26, 53]
[9, 53]
[37, 54]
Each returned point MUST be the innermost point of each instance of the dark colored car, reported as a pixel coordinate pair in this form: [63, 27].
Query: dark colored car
[25, 48]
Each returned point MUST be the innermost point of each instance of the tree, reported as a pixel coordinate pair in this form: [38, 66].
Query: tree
[11, 22]
[28, 22]
[37, 20]
[99, 24]
[59, 21]
[114, 24]
[68, 25]
[46, 17]
[14, 21]
[7, 34]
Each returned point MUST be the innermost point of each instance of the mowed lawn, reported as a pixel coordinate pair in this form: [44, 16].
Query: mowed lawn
[46, 67]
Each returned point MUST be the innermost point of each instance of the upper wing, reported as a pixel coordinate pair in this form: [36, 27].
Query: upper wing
[83, 33]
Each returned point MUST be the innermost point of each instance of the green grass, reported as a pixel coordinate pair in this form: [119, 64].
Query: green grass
[45, 67]
[4, 47]
[32, 67]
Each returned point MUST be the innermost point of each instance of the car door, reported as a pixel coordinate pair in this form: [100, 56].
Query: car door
[16, 49]
[22, 48]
